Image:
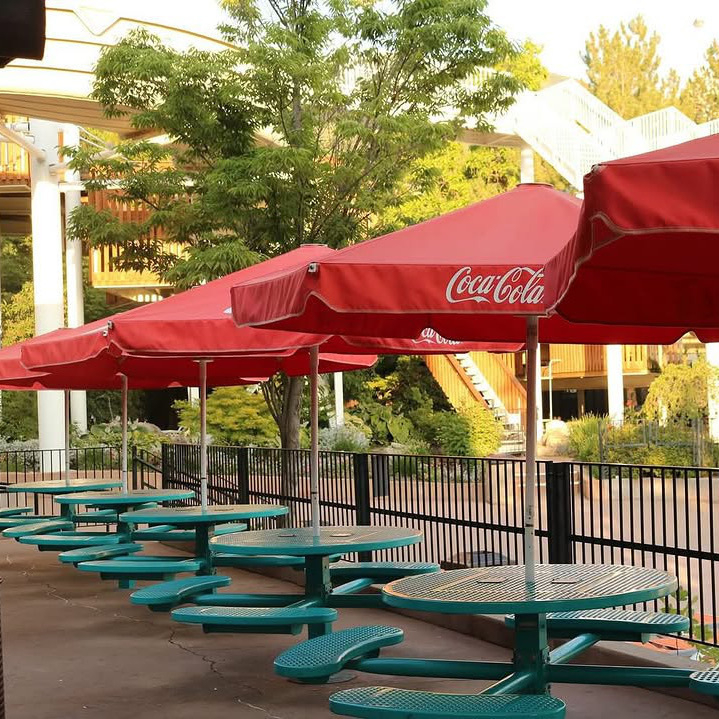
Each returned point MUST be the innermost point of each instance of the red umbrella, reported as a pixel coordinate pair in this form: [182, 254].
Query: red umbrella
[648, 241]
[491, 271]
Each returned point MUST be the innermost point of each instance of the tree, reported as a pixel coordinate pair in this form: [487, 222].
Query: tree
[623, 69]
[700, 97]
[345, 98]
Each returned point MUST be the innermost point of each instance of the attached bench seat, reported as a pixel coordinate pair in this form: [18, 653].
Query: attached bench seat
[166, 595]
[254, 620]
[72, 540]
[271, 560]
[612, 624]
[705, 682]
[100, 551]
[381, 571]
[160, 568]
[316, 660]
[389, 703]
[171, 533]
[14, 511]
[19, 520]
[45, 526]
[95, 516]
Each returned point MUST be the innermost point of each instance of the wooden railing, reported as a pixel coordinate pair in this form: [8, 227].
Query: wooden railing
[498, 370]
[453, 380]
[577, 361]
[14, 165]
[105, 267]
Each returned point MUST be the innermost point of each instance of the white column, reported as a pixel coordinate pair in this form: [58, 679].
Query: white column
[713, 399]
[526, 164]
[73, 268]
[339, 400]
[47, 271]
[540, 401]
[615, 383]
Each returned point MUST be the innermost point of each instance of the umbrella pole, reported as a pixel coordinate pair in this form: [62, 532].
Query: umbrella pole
[203, 434]
[125, 488]
[530, 487]
[314, 440]
[67, 437]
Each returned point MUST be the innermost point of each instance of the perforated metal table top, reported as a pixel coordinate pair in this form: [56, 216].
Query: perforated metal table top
[60, 486]
[500, 590]
[196, 516]
[300, 542]
[126, 499]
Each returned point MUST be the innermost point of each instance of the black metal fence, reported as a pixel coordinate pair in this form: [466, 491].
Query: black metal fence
[470, 509]
[35, 465]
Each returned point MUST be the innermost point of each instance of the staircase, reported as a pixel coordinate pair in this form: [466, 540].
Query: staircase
[472, 377]
[572, 130]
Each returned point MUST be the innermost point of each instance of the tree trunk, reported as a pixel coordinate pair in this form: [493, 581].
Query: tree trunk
[284, 398]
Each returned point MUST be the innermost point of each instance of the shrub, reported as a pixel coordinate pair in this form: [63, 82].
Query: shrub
[343, 439]
[234, 416]
[485, 431]
[452, 433]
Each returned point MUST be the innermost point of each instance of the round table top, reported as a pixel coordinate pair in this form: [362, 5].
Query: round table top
[60, 486]
[558, 588]
[126, 499]
[195, 515]
[301, 542]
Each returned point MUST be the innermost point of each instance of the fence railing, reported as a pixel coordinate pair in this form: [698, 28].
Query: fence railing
[469, 509]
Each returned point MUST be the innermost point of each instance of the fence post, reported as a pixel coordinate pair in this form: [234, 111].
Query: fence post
[360, 465]
[165, 465]
[243, 475]
[134, 467]
[559, 512]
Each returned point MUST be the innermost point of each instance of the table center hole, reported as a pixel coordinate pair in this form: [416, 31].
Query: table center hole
[287, 534]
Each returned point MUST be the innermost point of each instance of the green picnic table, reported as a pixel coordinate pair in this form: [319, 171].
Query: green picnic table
[316, 607]
[59, 487]
[202, 521]
[123, 501]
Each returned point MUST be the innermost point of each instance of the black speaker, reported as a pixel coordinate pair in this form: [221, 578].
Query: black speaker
[22, 30]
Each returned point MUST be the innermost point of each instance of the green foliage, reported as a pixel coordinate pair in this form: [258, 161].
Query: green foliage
[453, 434]
[18, 420]
[15, 263]
[235, 416]
[584, 437]
[700, 97]
[397, 400]
[19, 316]
[347, 438]
[485, 431]
[623, 69]
[338, 150]
[681, 392]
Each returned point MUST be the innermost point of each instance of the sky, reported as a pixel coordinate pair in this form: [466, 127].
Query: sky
[561, 26]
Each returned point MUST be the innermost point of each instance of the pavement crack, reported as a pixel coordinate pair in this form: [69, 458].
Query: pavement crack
[212, 664]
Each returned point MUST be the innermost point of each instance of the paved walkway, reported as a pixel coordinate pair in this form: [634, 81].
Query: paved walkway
[74, 648]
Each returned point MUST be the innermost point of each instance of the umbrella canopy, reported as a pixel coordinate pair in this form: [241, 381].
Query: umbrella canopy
[648, 241]
[474, 274]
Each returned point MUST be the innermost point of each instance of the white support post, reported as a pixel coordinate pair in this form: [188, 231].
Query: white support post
[526, 164]
[314, 440]
[123, 459]
[540, 400]
[73, 270]
[203, 434]
[47, 269]
[339, 399]
[615, 383]
[67, 435]
[712, 391]
[530, 487]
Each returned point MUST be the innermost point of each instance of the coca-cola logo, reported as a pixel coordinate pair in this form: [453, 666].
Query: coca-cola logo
[520, 285]
[429, 336]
